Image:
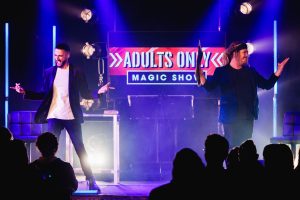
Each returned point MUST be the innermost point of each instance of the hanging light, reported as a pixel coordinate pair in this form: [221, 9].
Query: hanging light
[245, 8]
[86, 15]
[88, 50]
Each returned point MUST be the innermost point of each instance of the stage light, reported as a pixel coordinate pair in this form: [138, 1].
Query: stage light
[245, 8]
[86, 15]
[88, 50]
[95, 51]
[99, 159]
[250, 47]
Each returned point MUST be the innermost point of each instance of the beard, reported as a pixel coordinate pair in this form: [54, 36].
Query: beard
[60, 63]
[243, 61]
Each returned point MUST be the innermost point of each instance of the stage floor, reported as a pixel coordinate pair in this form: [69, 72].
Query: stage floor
[137, 190]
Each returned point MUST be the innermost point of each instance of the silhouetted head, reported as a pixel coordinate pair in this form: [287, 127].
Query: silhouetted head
[233, 159]
[248, 151]
[47, 144]
[187, 165]
[216, 149]
[278, 159]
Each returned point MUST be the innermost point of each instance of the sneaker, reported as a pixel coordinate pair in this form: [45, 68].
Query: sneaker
[93, 186]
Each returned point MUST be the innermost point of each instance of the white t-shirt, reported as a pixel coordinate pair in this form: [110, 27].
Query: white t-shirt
[60, 106]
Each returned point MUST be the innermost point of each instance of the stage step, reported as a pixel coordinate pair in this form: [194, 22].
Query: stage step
[89, 196]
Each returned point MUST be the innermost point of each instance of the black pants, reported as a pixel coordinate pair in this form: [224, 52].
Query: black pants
[238, 131]
[73, 128]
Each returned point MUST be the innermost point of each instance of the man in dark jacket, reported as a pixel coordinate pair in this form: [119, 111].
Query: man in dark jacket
[238, 85]
[60, 107]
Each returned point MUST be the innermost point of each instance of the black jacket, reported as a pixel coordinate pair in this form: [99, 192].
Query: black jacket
[224, 77]
[77, 86]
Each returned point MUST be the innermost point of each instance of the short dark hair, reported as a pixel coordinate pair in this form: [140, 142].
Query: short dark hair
[63, 46]
[216, 147]
[47, 144]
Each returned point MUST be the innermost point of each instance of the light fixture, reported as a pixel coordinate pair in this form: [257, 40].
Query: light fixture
[86, 15]
[94, 51]
[88, 50]
[250, 47]
[245, 8]
[98, 51]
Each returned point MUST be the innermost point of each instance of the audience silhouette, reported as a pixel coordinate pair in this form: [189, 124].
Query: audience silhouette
[216, 176]
[251, 170]
[14, 163]
[279, 169]
[228, 172]
[250, 167]
[278, 161]
[187, 174]
[233, 161]
[50, 177]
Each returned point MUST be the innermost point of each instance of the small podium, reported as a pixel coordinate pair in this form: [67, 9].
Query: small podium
[101, 139]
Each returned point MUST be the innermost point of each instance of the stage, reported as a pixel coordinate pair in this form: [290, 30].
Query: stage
[134, 190]
[149, 55]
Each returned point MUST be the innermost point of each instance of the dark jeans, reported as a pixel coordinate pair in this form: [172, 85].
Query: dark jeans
[237, 132]
[73, 127]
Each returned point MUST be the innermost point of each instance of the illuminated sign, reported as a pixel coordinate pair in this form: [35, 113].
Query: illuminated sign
[161, 65]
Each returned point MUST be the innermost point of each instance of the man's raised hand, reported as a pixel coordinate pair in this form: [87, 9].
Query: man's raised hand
[18, 88]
